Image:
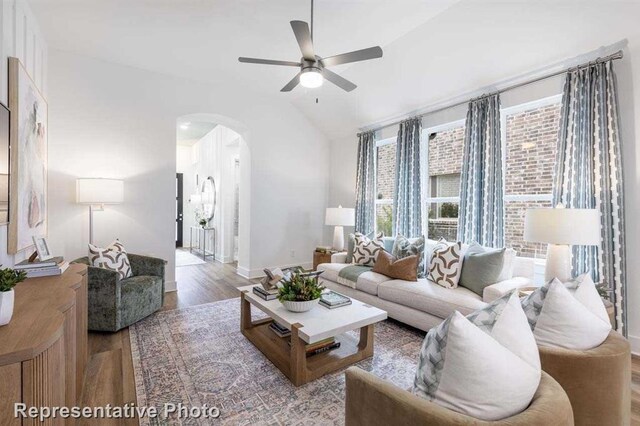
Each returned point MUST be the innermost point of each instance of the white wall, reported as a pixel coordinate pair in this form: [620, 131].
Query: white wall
[21, 38]
[117, 121]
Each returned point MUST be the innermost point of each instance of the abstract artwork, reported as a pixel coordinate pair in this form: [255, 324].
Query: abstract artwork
[29, 128]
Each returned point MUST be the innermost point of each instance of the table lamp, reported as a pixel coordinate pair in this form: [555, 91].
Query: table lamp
[561, 228]
[339, 217]
[96, 192]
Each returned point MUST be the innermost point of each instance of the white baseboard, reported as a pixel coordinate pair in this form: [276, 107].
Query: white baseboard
[259, 272]
[170, 286]
[635, 344]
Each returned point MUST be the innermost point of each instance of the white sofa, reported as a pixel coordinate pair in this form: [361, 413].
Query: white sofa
[421, 304]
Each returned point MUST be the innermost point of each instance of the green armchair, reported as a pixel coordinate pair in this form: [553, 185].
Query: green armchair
[114, 303]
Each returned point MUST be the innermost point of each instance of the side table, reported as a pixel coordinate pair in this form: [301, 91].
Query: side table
[202, 235]
[320, 257]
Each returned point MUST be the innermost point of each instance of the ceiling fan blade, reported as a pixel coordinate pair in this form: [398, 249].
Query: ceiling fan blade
[303, 35]
[293, 83]
[341, 82]
[268, 62]
[355, 56]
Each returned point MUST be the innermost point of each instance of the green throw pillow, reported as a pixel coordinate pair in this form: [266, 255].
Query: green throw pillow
[481, 267]
[404, 247]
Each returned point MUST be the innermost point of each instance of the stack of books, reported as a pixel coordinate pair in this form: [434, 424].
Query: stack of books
[265, 294]
[43, 268]
[325, 249]
[321, 346]
[332, 300]
[279, 329]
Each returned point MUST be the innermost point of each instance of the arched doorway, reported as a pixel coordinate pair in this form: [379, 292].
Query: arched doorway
[212, 190]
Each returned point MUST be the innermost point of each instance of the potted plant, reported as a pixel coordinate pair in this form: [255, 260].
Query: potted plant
[300, 293]
[8, 280]
[200, 218]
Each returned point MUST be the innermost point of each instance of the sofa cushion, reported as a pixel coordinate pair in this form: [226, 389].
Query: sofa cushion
[404, 247]
[366, 249]
[367, 281]
[402, 269]
[426, 296]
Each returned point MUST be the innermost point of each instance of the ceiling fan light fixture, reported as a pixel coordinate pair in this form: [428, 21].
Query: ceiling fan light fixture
[311, 78]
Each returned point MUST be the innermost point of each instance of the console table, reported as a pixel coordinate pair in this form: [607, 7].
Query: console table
[202, 237]
[43, 350]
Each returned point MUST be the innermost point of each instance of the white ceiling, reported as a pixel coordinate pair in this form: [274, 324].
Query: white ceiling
[433, 50]
[190, 132]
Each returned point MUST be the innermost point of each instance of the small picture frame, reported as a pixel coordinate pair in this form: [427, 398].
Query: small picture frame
[42, 248]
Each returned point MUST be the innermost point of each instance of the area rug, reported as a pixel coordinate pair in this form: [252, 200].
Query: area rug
[197, 355]
[184, 258]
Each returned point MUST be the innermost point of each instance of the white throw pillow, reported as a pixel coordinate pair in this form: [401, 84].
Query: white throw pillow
[114, 257]
[445, 264]
[570, 315]
[485, 366]
[507, 266]
[365, 251]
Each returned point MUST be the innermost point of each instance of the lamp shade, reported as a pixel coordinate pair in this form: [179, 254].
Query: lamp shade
[580, 227]
[339, 216]
[99, 191]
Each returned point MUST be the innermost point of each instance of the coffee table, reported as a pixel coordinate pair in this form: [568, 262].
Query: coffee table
[309, 327]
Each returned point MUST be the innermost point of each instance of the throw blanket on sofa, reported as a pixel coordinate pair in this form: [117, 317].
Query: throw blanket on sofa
[349, 274]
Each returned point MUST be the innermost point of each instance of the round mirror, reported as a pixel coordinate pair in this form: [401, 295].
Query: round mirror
[209, 198]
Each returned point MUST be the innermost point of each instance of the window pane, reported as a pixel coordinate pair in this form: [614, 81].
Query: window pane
[443, 221]
[445, 162]
[386, 173]
[384, 218]
[532, 136]
[514, 228]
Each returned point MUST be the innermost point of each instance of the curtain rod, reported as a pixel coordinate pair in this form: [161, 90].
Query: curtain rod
[613, 56]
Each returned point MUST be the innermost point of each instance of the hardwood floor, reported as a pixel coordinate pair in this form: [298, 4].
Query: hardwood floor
[109, 378]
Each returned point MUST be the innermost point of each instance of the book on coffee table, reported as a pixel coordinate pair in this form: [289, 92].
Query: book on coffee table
[332, 300]
[265, 294]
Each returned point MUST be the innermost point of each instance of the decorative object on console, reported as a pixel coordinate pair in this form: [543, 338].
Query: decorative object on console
[339, 217]
[561, 228]
[29, 136]
[481, 268]
[42, 248]
[446, 264]
[498, 339]
[300, 292]
[404, 247]
[568, 315]
[407, 208]
[366, 250]
[366, 183]
[402, 269]
[114, 258]
[9, 278]
[96, 192]
[481, 212]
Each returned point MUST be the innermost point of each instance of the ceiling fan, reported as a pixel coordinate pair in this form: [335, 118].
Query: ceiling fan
[313, 68]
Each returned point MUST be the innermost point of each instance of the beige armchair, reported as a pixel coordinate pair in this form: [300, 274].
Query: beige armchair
[372, 401]
[597, 381]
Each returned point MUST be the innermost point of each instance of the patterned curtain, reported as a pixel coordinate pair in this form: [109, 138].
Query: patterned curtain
[366, 183]
[407, 205]
[589, 173]
[481, 212]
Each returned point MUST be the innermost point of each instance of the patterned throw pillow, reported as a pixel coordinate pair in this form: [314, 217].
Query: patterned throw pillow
[446, 264]
[505, 364]
[403, 247]
[113, 257]
[366, 250]
[568, 315]
[351, 244]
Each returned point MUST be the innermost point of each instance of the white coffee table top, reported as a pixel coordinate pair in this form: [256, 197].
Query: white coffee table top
[319, 323]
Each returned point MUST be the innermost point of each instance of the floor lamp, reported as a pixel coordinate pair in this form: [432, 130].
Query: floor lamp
[96, 192]
[561, 228]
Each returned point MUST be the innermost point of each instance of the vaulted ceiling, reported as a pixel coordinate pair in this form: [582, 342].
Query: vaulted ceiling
[433, 50]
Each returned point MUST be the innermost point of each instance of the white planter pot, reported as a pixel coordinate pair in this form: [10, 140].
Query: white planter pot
[6, 306]
[300, 306]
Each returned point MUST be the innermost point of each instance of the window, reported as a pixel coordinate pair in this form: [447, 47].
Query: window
[529, 137]
[385, 184]
[441, 168]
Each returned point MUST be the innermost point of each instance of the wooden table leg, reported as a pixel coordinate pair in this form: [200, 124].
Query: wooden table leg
[298, 362]
[245, 313]
[365, 344]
